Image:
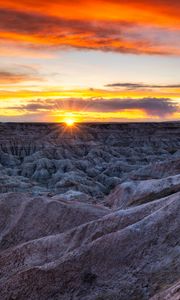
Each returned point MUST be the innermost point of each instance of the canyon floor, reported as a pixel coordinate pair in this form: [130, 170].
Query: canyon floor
[90, 212]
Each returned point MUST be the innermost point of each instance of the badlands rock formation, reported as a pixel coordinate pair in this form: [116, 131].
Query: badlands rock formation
[90, 212]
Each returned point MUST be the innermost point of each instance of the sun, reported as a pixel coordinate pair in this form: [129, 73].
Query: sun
[69, 122]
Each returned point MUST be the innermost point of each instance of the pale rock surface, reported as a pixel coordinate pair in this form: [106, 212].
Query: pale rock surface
[171, 293]
[138, 192]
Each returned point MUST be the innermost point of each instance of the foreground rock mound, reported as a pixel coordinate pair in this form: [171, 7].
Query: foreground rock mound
[133, 253]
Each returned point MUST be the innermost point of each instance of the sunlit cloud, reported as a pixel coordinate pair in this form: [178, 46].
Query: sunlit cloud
[42, 92]
[164, 12]
[151, 106]
[35, 28]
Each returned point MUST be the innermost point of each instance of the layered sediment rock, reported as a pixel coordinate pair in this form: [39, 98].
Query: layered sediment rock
[92, 214]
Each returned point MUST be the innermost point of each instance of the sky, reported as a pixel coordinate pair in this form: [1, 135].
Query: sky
[90, 61]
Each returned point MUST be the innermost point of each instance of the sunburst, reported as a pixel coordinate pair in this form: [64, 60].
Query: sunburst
[69, 122]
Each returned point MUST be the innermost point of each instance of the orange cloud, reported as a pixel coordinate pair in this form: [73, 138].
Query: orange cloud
[165, 12]
[126, 27]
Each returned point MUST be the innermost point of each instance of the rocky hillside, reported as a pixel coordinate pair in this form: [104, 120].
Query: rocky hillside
[90, 212]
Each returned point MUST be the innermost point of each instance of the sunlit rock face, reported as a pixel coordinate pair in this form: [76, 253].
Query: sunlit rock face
[90, 212]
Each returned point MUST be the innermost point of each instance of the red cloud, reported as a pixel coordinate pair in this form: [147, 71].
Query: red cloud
[134, 27]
